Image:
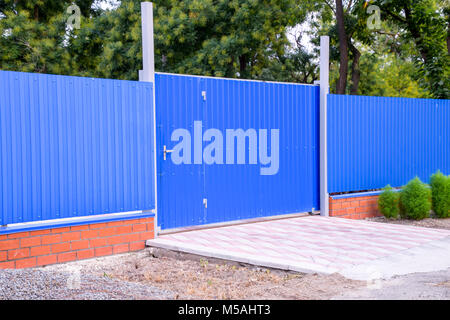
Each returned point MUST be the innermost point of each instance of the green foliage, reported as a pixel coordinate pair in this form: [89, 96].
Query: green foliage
[216, 38]
[235, 38]
[408, 56]
[440, 188]
[33, 35]
[29, 45]
[389, 76]
[415, 200]
[222, 37]
[296, 65]
[424, 24]
[388, 202]
[121, 57]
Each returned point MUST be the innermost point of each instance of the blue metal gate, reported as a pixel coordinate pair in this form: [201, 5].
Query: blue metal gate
[234, 186]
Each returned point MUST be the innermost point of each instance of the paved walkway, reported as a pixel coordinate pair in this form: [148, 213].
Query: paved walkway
[357, 249]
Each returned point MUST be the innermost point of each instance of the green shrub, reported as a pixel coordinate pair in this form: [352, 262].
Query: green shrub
[388, 202]
[415, 200]
[440, 194]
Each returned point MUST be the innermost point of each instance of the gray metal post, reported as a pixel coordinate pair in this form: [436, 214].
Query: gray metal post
[148, 74]
[148, 52]
[324, 88]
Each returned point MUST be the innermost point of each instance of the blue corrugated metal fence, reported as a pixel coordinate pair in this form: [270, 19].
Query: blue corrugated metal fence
[375, 141]
[73, 146]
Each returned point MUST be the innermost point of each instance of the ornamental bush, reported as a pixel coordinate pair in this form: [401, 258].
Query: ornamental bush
[415, 200]
[440, 194]
[388, 202]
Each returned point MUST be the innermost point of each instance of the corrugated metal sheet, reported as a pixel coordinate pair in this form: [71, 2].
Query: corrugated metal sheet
[375, 141]
[73, 146]
[236, 192]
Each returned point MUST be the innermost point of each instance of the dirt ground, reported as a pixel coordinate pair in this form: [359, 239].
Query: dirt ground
[191, 277]
[426, 223]
[185, 276]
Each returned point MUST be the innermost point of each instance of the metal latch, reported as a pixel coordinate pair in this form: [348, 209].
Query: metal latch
[205, 203]
[165, 152]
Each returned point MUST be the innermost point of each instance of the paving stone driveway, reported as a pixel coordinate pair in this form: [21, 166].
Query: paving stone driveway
[354, 248]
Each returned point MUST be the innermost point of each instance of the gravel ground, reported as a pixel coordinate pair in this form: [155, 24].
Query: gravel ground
[166, 275]
[192, 277]
[161, 274]
[426, 223]
[37, 284]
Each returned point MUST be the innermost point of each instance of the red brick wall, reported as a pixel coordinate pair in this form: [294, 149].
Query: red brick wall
[355, 208]
[43, 247]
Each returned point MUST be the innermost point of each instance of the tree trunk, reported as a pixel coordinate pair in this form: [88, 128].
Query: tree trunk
[356, 74]
[415, 33]
[230, 73]
[448, 37]
[447, 17]
[343, 49]
[36, 13]
[242, 65]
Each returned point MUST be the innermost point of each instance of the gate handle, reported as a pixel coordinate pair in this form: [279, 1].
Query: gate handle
[165, 152]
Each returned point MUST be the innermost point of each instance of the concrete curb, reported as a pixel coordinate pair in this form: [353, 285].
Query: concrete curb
[249, 259]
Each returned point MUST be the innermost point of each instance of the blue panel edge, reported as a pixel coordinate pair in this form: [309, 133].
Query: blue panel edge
[49, 224]
[360, 194]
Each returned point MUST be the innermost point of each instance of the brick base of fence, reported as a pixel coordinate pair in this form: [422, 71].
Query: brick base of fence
[354, 207]
[44, 247]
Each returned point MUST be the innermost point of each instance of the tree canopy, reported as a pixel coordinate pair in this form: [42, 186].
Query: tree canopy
[407, 54]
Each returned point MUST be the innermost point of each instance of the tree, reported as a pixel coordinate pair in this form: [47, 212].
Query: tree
[425, 23]
[211, 37]
[244, 39]
[343, 48]
[238, 38]
[345, 21]
[34, 35]
[44, 11]
[388, 75]
[121, 54]
[296, 65]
